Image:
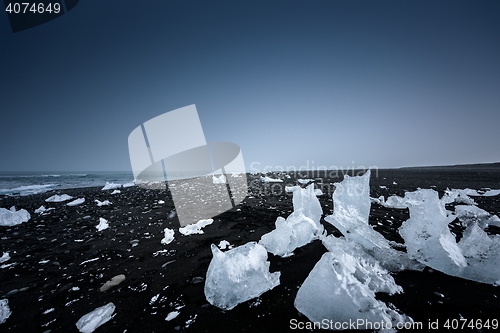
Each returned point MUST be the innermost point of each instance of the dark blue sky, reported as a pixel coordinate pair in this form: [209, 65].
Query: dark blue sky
[340, 83]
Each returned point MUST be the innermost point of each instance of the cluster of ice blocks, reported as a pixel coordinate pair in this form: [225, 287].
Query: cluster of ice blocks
[343, 284]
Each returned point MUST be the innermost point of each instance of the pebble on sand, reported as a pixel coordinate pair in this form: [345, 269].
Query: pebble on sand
[114, 281]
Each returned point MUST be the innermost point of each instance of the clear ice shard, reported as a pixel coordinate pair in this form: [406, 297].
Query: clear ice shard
[351, 209]
[238, 275]
[300, 228]
[342, 285]
[92, 320]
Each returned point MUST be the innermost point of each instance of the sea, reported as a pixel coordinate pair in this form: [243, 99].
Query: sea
[16, 183]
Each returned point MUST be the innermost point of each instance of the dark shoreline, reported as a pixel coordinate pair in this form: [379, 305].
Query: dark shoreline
[52, 237]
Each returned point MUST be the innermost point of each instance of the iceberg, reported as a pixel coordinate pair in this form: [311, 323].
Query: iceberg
[219, 180]
[267, 179]
[4, 310]
[59, 198]
[12, 217]
[92, 320]
[195, 228]
[168, 236]
[76, 202]
[238, 275]
[300, 228]
[103, 224]
[111, 186]
[342, 285]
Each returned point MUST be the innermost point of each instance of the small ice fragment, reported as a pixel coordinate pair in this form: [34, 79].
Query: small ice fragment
[116, 192]
[92, 320]
[102, 203]
[4, 310]
[113, 282]
[5, 257]
[40, 209]
[195, 228]
[219, 180]
[12, 217]
[161, 202]
[223, 244]
[383, 186]
[172, 315]
[76, 202]
[58, 198]
[130, 184]
[238, 275]
[267, 179]
[49, 311]
[304, 181]
[103, 224]
[111, 186]
[168, 236]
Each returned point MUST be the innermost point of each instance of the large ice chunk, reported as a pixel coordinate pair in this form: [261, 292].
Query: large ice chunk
[92, 320]
[427, 236]
[238, 275]
[4, 310]
[351, 209]
[459, 196]
[342, 285]
[12, 217]
[300, 228]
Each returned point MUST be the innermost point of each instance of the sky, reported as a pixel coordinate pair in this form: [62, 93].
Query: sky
[294, 83]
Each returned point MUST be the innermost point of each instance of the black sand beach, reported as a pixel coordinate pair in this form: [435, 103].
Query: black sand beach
[63, 260]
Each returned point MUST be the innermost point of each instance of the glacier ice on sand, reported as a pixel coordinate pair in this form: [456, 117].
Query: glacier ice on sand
[196, 227]
[59, 198]
[92, 320]
[103, 224]
[342, 285]
[300, 228]
[238, 275]
[4, 310]
[168, 236]
[12, 217]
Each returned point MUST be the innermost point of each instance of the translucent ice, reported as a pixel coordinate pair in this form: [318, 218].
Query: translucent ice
[168, 236]
[342, 285]
[238, 275]
[102, 203]
[300, 228]
[4, 310]
[195, 228]
[76, 202]
[219, 180]
[92, 320]
[427, 236]
[459, 196]
[468, 215]
[58, 198]
[12, 217]
[351, 209]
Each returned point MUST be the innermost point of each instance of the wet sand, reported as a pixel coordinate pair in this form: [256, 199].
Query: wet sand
[63, 260]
